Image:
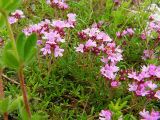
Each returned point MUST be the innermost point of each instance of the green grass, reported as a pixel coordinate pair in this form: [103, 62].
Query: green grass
[71, 87]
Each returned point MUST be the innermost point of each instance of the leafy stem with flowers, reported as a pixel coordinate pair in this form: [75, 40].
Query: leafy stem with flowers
[17, 53]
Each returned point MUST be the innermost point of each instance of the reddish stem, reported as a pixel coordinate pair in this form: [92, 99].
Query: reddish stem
[2, 93]
[1, 86]
[5, 116]
[24, 91]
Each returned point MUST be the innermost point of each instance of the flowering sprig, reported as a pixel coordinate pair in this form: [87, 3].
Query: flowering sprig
[51, 34]
[146, 115]
[145, 82]
[99, 43]
[15, 16]
[153, 27]
[129, 31]
[60, 4]
[151, 32]
[148, 54]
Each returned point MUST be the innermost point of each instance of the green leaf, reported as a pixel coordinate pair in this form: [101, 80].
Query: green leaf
[20, 42]
[23, 113]
[9, 56]
[31, 56]
[1, 62]
[9, 5]
[4, 104]
[129, 117]
[30, 47]
[152, 61]
[10, 60]
[14, 105]
[36, 117]
[123, 105]
[13, 5]
[2, 20]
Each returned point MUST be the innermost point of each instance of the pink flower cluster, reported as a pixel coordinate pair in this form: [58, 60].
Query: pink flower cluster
[144, 82]
[105, 115]
[128, 31]
[99, 43]
[152, 27]
[146, 115]
[97, 25]
[96, 40]
[60, 4]
[51, 34]
[15, 16]
[148, 54]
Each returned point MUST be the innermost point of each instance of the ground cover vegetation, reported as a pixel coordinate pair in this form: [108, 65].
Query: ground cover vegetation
[80, 60]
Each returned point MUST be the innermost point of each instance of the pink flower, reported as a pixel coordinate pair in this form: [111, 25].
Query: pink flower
[124, 33]
[106, 38]
[52, 33]
[143, 36]
[152, 69]
[12, 20]
[147, 54]
[157, 72]
[59, 24]
[157, 95]
[132, 75]
[105, 115]
[151, 17]
[118, 34]
[145, 69]
[109, 71]
[53, 37]
[62, 5]
[93, 32]
[90, 43]
[130, 31]
[80, 48]
[103, 36]
[57, 3]
[46, 50]
[142, 76]
[152, 25]
[149, 116]
[141, 90]
[71, 20]
[39, 42]
[15, 16]
[144, 84]
[100, 42]
[101, 47]
[97, 25]
[18, 14]
[115, 83]
[115, 57]
[151, 85]
[71, 17]
[133, 87]
[58, 51]
[104, 59]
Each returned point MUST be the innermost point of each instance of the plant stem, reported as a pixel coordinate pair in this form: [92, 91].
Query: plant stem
[5, 115]
[24, 91]
[1, 86]
[9, 28]
[8, 24]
